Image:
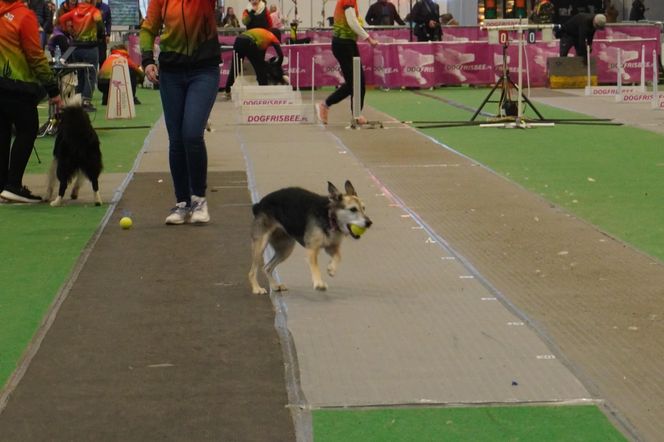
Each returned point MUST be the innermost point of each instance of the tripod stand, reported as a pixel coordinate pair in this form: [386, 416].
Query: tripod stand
[508, 108]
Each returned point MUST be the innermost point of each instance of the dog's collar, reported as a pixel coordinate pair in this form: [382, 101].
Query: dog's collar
[333, 221]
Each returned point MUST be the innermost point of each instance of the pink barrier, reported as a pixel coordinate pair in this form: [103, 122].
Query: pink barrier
[463, 57]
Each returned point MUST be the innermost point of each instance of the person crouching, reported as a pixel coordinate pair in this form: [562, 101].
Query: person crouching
[136, 74]
[253, 44]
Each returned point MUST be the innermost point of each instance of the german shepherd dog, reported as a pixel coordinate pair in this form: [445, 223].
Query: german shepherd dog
[76, 154]
[315, 221]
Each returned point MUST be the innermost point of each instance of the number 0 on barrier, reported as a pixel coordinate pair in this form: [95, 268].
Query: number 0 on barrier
[503, 37]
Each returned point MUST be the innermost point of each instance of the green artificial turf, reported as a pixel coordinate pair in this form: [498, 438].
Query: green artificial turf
[41, 244]
[612, 176]
[476, 424]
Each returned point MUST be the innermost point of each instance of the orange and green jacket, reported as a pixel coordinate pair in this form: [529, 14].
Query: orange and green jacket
[86, 23]
[106, 69]
[263, 40]
[341, 29]
[187, 30]
[24, 69]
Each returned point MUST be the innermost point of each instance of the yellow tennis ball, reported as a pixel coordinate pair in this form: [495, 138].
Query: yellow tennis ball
[357, 230]
[126, 222]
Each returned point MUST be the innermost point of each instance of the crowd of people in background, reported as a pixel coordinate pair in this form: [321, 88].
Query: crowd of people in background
[560, 11]
[425, 20]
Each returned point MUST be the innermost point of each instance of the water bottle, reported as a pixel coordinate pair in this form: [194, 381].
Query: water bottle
[57, 57]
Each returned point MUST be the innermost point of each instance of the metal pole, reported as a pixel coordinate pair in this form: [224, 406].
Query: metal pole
[410, 20]
[520, 98]
[655, 91]
[589, 83]
[643, 68]
[619, 82]
[357, 67]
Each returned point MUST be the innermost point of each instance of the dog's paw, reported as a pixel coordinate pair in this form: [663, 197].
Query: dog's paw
[259, 291]
[57, 202]
[331, 270]
[320, 286]
[279, 288]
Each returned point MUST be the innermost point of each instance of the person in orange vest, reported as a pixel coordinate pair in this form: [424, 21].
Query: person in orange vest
[25, 78]
[86, 24]
[136, 74]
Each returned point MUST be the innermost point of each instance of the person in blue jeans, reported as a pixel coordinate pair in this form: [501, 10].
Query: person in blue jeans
[188, 77]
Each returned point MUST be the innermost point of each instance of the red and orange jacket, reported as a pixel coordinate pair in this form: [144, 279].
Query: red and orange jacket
[86, 24]
[188, 34]
[24, 69]
[106, 69]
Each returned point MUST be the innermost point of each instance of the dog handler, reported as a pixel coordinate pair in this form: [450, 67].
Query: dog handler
[578, 33]
[188, 77]
[346, 31]
[25, 78]
[253, 44]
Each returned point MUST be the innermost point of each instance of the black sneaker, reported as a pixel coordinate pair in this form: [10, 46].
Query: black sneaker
[19, 195]
[137, 101]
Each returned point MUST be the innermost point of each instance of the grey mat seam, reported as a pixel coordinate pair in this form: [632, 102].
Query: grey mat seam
[61, 296]
[298, 406]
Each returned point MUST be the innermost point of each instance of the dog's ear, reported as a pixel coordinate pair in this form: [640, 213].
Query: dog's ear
[350, 190]
[333, 191]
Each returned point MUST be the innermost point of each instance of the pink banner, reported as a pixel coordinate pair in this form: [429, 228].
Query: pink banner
[463, 63]
[463, 57]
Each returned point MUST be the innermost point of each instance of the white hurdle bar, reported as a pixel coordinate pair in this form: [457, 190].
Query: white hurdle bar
[641, 94]
[621, 70]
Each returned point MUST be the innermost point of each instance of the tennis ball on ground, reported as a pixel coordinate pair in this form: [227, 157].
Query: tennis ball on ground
[357, 230]
[126, 222]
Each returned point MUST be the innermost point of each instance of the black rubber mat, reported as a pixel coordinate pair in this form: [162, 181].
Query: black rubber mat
[160, 337]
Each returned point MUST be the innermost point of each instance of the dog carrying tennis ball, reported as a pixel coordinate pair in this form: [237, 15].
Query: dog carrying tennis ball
[357, 230]
[125, 222]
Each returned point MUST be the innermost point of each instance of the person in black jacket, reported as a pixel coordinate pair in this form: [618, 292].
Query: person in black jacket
[578, 33]
[426, 19]
[383, 13]
[638, 11]
[44, 18]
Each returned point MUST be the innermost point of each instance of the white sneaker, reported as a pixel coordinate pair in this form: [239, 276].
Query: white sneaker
[179, 214]
[322, 112]
[199, 210]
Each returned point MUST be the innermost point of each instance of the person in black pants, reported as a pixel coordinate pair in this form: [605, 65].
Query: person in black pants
[426, 17]
[346, 31]
[253, 44]
[24, 81]
[578, 32]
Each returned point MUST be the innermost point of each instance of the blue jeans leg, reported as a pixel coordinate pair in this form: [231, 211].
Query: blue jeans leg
[187, 98]
[87, 78]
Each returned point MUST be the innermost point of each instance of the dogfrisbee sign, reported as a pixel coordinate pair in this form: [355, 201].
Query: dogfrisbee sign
[120, 97]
